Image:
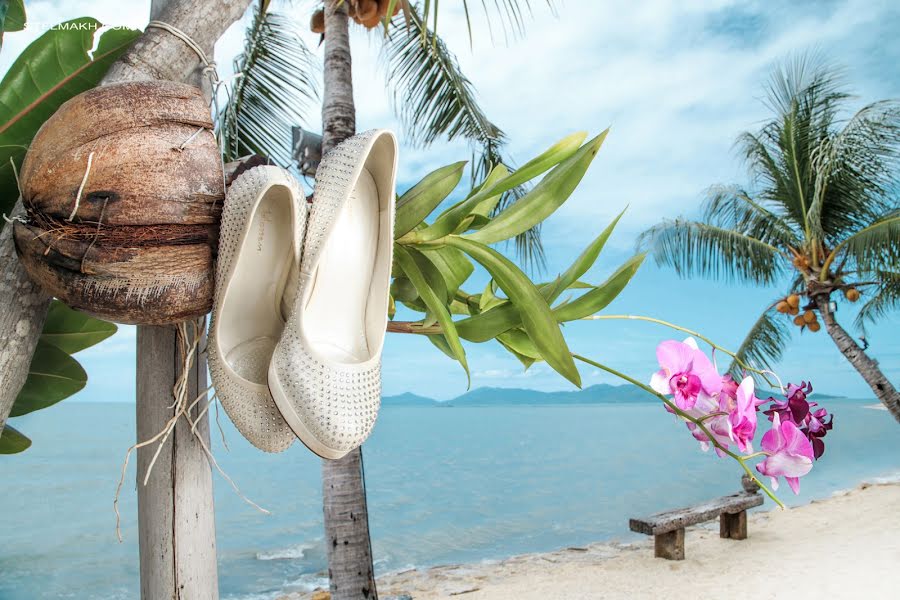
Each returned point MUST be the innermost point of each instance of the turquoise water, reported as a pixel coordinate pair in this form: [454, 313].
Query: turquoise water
[445, 485]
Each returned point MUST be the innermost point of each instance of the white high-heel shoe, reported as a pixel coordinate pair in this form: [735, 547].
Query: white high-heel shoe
[325, 376]
[261, 235]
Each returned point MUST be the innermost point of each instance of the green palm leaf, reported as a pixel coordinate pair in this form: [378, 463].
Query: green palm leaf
[696, 248]
[276, 88]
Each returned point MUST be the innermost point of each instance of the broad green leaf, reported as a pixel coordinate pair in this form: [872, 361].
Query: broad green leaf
[54, 68]
[13, 442]
[403, 290]
[12, 16]
[581, 265]
[440, 342]
[450, 219]
[72, 331]
[537, 318]
[452, 265]
[518, 340]
[436, 305]
[526, 361]
[418, 202]
[434, 281]
[52, 376]
[489, 299]
[598, 298]
[543, 200]
[486, 206]
[489, 324]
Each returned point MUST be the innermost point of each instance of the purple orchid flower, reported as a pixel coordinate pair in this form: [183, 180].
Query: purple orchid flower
[790, 453]
[685, 373]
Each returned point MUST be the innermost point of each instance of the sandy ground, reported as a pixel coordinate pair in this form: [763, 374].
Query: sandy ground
[847, 546]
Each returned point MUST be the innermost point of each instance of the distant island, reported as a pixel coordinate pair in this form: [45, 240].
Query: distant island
[596, 394]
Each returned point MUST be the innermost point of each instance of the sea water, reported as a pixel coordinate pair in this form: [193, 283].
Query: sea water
[445, 485]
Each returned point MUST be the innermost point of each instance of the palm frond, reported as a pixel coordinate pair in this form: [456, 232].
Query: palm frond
[435, 100]
[885, 299]
[511, 13]
[857, 171]
[276, 86]
[764, 343]
[695, 248]
[875, 247]
[731, 207]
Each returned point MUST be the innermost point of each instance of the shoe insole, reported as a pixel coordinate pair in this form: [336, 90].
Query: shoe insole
[250, 320]
[335, 313]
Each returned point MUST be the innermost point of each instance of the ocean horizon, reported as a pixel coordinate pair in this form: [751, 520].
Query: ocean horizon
[471, 484]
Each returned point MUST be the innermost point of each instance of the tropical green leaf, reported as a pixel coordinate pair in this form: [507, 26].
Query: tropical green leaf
[418, 201]
[276, 90]
[52, 376]
[55, 67]
[519, 342]
[599, 298]
[450, 219]
[542, 201]
[537, 319]
[436, 304]
[12, 16]
[452, 265]
[585, 261]
[72, 331]
[434, 99]
[696, 248]
[13, 442]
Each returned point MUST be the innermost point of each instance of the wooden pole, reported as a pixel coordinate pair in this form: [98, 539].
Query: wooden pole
[176, 521]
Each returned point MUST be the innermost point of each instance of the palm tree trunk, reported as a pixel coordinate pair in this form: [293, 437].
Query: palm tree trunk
[350, 569]
[867, 367]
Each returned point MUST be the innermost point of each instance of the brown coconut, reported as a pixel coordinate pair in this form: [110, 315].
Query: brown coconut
[139, 247]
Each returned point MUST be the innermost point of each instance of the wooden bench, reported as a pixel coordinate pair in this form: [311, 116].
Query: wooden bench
[667, 528]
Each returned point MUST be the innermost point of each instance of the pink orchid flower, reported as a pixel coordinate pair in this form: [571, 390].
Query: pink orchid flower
[790, 454]
[741, 414]
[685, 372]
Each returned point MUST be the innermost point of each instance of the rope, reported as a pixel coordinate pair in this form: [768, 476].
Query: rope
[208, 65]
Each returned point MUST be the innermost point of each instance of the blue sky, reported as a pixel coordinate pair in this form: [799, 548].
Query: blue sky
[676, 82]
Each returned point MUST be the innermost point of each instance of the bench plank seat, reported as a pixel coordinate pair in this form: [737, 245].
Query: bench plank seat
[673, 520]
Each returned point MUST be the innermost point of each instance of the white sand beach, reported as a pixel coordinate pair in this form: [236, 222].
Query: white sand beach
[846, 546]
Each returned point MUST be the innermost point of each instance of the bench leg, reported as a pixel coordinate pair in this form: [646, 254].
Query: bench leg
[670, 545]
[733, 526]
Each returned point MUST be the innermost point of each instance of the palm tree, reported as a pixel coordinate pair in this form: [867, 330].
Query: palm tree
[435, 101]
[822, 213]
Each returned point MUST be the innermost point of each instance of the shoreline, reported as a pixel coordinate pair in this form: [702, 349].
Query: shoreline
[844, 542]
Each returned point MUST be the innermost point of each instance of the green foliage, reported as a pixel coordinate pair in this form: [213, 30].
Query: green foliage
[12, 16]
[435, 259]
[54, 374]
[55, 67]
[12, 441]
[435, 100]
[52, 69]
[823, 205]
[274, 92]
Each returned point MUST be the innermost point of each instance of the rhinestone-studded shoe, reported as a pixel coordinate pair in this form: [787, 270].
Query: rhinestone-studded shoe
[325, 376]
[260, 239]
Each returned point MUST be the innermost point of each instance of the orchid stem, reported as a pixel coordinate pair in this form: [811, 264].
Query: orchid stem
[741, 363]
[698, 422]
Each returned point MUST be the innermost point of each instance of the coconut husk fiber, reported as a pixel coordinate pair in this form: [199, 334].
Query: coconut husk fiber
[122, 188]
